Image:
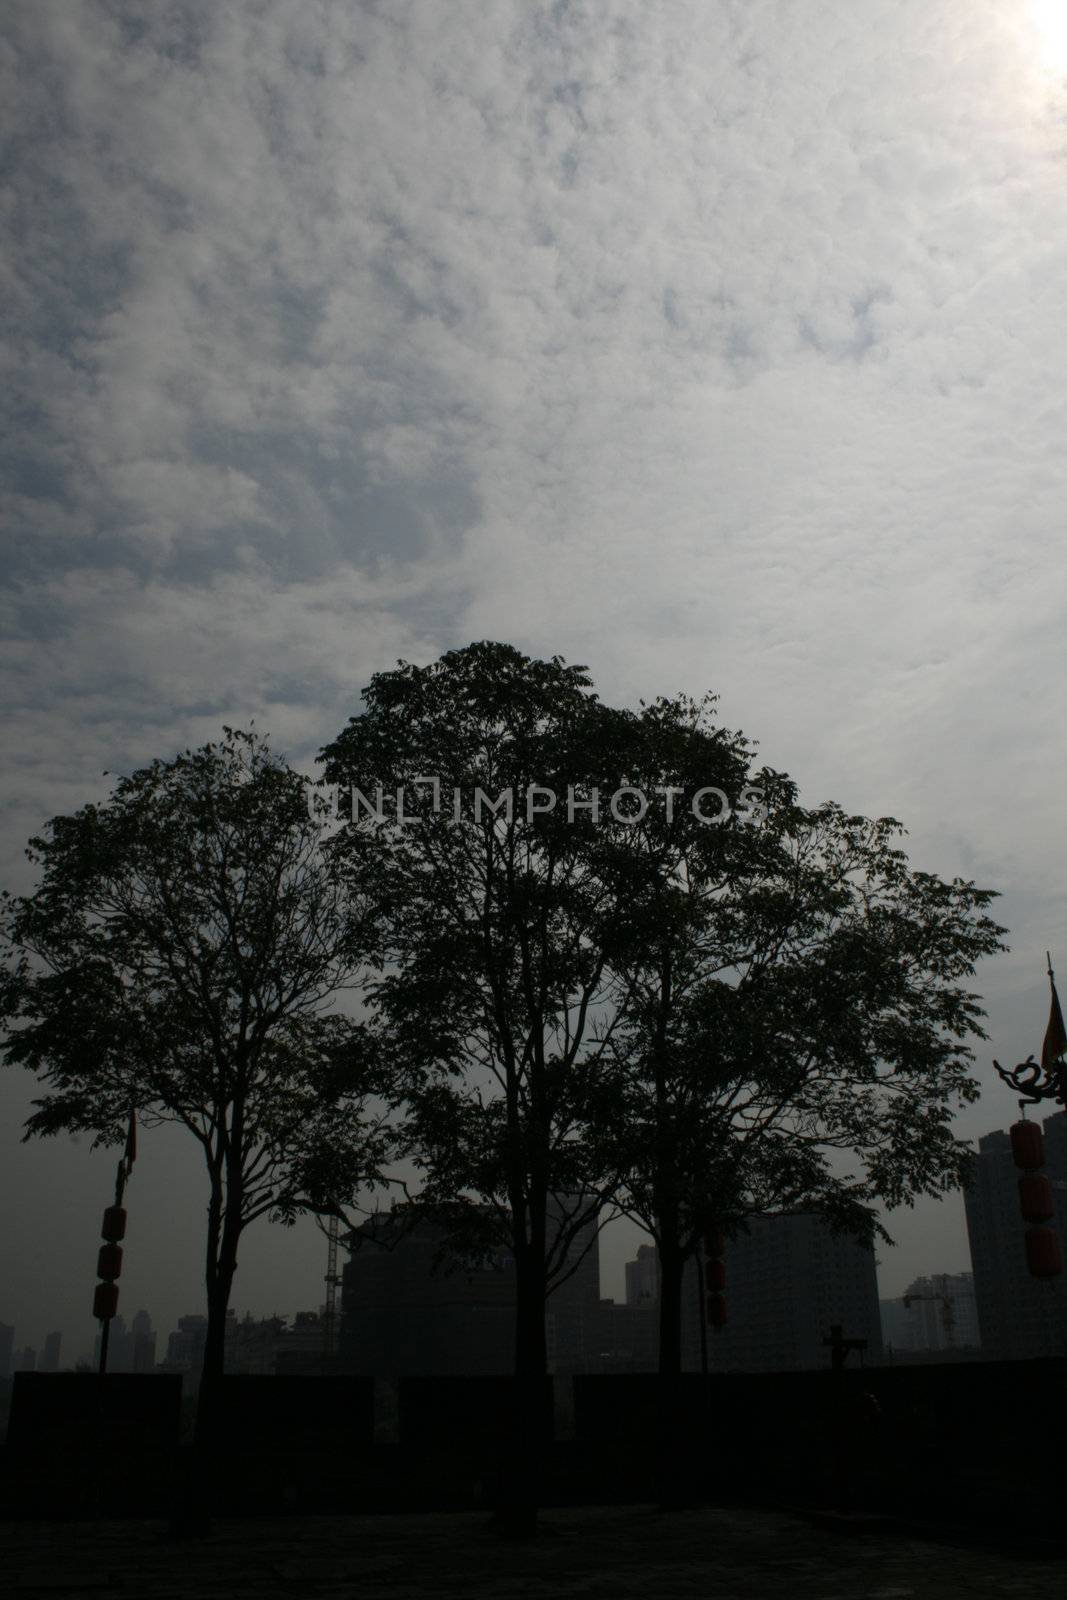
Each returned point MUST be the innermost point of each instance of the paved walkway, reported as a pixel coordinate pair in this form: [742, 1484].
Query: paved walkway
[632, 1552]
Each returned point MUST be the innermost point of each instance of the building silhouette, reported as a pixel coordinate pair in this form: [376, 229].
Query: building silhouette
[254, 1346]
[642, 1277]
[629, 1337]
[574, 1311]
[411, 1304]
[934, 1314]
[129, 1348]
[789, 1279]
[7, 1347]
[185, 1346]
[143, 1351]
[24, 1360]
[50, 1352]
[1019, 1316]
[302, 1347]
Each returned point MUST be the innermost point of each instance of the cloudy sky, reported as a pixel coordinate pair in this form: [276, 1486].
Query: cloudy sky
[713, 343]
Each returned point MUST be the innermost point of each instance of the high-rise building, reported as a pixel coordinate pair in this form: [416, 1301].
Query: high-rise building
[574, 1319]
[50, 1353]
[411, 1305]
[302, 1347]
[935, 1313]
[1020, 1316]
[789, 1279]
[143, 1351]
[24, 1360]
[185, 1346]
[629, 1337]
[7, 1345]
[642, 1277]
[251, 1343]
[120, 1347]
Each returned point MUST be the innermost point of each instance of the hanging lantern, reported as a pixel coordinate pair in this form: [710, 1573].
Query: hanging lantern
[1043, 1253]
[105, 1301]
[714, 1243]
[1027, 1145]
[114, 1224]
[715, 1276]
[717, 1310]
[109, 1261]
[1035, 1197]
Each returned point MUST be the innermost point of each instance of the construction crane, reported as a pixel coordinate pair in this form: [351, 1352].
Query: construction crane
[948, 1310]
[329, 1317]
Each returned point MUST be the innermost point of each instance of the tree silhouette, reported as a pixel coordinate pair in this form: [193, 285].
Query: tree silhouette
[504, 937]
[180, 954]
[800, 993]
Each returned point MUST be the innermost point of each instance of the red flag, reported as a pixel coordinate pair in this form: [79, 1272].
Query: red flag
[1055, 1042]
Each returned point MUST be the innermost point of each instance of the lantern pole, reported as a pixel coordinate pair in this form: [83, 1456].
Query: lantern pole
[113, 1228]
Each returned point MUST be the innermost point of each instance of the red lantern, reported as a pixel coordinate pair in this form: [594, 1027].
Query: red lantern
[105, 1300]
[1035, 1197]
[109, 1261]
[717, 1310]
[715, 1276]
[1027, 1145]
[114, 1224]
[714, 1243]
[1043, 1253]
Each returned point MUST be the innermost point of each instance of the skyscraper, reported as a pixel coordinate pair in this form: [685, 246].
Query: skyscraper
[411, 1306]
[642, 1277]
[119, 1347]
[50, 1353]
[1020, 1316]
[144, 1343]
[789, 1279]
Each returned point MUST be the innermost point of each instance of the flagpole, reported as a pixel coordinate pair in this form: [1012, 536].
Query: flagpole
[1046, 1079]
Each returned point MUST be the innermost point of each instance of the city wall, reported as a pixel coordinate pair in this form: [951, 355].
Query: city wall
[968, 1444]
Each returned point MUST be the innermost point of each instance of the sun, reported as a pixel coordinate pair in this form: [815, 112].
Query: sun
[1050, 21]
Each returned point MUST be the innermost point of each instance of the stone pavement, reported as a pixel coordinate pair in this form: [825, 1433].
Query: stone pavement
[616, 1551]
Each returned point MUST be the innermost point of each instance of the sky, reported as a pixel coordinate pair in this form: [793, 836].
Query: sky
[716, 344]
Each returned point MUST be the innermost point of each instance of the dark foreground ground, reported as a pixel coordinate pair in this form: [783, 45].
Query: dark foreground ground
[632, 1552]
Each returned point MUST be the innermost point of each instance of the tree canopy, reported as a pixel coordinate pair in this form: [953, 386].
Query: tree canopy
[801, 999]
[183, 953]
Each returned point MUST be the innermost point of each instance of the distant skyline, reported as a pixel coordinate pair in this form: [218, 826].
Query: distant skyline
[715, 346]
[282, 1264]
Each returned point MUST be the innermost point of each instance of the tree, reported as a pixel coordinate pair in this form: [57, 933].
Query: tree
[801, 993]
[514, 894]
[180, 954]
[499, 926]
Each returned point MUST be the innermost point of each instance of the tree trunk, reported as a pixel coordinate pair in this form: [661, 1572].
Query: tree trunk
[670, 1463]
[531, 1348]
[220, 1286]
[193, 1518]
[521, 1465]
[670, 1311]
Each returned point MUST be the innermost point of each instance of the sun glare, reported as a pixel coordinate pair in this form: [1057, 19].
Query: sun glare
[1050, 21]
